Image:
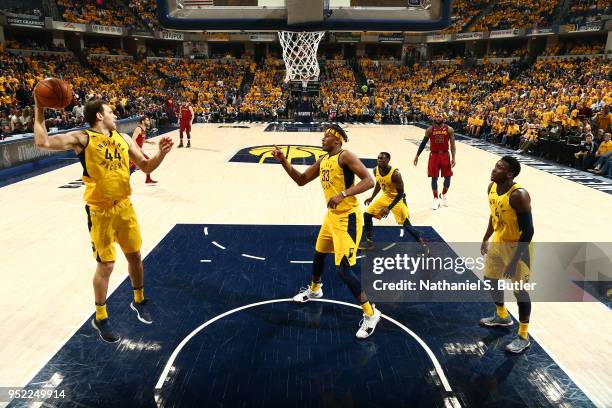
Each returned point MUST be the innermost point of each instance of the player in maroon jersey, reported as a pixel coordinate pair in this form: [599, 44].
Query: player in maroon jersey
[140, 137]
[185, 120]
[440, 136]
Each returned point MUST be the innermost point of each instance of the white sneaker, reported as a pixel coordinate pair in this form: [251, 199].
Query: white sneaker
[444, 200]
[436, 204]
[306, 294]
[368, 324]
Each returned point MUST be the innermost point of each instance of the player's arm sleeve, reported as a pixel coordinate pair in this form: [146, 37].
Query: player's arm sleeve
[525, 223]
[521, 202]
[400, 189]
[423, 143]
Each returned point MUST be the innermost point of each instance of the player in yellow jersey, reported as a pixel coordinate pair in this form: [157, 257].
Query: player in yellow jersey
[389, 180]
[105, 155]
[509, 256]
[341, 230]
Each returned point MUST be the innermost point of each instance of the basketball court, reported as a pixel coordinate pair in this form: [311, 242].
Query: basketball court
[228, 240]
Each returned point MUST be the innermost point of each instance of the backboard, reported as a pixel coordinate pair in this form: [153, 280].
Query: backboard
[310, 15]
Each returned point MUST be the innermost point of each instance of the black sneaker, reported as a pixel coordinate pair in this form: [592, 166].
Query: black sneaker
[180, 145]
[105, 330]
[142, 311]
[188, 143]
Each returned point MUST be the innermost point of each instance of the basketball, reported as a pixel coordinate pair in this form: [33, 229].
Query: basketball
[53, 93]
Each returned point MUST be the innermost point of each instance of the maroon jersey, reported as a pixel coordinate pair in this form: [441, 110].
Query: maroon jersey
[438, 139]
[141, 137]
[185, 113]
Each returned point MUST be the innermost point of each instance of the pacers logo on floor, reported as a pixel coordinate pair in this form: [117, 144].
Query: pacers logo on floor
[296, 154]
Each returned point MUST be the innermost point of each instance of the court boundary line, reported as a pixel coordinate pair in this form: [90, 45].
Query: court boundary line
[555, 359]
[86, 319]
[183, 343]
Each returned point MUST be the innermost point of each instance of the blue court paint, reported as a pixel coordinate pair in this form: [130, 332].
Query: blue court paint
[284, 354]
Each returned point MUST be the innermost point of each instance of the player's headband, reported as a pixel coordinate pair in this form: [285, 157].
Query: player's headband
[335, 133]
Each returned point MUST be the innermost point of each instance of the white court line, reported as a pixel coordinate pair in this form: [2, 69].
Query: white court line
[205, 230]
[215, 243]
[253, 257]
[389, 246]
[177, 350]
[205, 260]
[360, 256]
[401, 232]
[300, 262]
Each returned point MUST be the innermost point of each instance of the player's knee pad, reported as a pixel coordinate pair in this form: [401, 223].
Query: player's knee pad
[447, 181]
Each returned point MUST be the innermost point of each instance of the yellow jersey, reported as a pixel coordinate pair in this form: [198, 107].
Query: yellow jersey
[334, 180]
[106, 169]
[386, 185]
[605, 147]
[503, 216]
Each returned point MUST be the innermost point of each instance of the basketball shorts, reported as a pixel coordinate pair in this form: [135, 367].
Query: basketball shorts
[400, 210]
[116, 224]
[185, 126]
[439, 163]
[500, 255]
[340, 234]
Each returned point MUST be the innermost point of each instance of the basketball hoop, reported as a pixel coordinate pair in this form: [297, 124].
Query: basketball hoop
[300, 55]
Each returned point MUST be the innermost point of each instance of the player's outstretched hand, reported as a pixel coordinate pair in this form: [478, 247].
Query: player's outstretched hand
[416, 160]
[278, 154]
[367, 201]
[165, 144]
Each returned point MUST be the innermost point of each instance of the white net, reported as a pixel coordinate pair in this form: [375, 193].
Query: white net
[300, 55]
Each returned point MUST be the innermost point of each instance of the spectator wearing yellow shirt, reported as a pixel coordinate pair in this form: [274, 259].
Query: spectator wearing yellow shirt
[604, 119]
[604, 151]
[511, 135]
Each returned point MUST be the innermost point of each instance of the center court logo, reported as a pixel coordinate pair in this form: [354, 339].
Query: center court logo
[296, 154]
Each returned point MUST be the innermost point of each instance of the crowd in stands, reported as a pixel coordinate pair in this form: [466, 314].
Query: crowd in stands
[548, 110]
[339, 98]
[266, 98]
[29, 44]
[517, 13]
[587, 11]
[576, 48]
[464, 12]
[147, 10]
[105, 50]
[101, 12]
